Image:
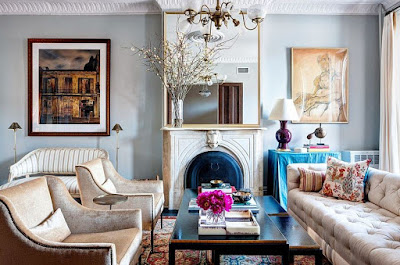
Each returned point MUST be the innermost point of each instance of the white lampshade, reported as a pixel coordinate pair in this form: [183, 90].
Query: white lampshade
[205, 29]
[184, 26]
[284, 110]
[256, 11]
[192, 4]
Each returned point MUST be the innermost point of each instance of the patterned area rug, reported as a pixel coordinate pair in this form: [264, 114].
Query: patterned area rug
[189, 257]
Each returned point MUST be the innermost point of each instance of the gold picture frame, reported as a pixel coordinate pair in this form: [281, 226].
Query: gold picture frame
[320, 87]
[167, 103]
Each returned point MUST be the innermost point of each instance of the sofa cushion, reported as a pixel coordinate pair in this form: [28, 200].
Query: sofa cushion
[31, 201]
[345, 180]
[55, 228]
[355, 230]
[311, 180]
[126, 241]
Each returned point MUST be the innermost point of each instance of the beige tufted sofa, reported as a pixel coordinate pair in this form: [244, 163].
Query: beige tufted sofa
[97, 237]
[351, 233]
[59, 161]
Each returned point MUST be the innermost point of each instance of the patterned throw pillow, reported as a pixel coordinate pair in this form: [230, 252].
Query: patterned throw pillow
[345, 180]
[311, 180]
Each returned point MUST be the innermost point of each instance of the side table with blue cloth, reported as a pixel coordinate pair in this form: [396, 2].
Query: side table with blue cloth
[277, 164]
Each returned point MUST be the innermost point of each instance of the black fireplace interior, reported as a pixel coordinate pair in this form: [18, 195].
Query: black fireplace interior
[213, 165]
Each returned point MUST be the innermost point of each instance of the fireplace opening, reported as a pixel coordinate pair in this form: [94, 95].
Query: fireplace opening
[213, 165]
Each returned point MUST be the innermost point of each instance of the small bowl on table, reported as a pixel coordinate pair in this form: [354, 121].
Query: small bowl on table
[242, 196]
[216, 183]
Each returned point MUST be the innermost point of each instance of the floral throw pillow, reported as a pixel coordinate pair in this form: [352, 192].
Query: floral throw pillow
[345, 180]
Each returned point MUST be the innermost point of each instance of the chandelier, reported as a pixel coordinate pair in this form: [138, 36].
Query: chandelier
[208, 79]
[224, 14]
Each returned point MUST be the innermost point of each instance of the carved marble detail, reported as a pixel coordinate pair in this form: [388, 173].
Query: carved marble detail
[181, 146]
[213, 138]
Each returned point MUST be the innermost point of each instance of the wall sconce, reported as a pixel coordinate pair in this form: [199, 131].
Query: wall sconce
[117, 128]
[15, 126]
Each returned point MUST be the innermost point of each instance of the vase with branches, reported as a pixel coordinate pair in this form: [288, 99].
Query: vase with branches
[180, 65]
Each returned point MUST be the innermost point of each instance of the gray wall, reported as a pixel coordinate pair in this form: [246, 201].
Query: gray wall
[136, 98]
[357, 33]
[135, 94]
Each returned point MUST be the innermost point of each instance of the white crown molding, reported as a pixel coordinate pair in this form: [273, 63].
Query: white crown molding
[127, 7]
[237, 60]
[77, 8]
[305, 7]
[390, 3]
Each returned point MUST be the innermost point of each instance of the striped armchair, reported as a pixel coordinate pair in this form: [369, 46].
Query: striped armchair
[58, 161]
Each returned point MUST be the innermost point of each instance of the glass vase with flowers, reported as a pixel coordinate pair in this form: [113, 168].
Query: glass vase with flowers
[214, 204]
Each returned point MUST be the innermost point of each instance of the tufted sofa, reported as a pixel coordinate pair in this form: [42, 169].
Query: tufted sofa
[58, 161]
[351, 233]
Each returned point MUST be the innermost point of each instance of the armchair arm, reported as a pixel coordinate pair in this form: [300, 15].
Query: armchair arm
[18, 245]
[143, 201]
[81, 219]
[124, 185]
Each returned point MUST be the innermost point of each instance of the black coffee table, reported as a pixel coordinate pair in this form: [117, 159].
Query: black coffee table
[300, 243]
[185, 236]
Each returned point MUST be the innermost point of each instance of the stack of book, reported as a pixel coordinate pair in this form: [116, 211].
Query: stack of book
[225, 187]
[250, 205]
[317, 148]
[236, 223]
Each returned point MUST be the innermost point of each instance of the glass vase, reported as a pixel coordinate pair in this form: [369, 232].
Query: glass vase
[177, 113]
[214, 218]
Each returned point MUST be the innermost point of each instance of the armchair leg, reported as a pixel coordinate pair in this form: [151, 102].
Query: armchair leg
[161, 222]
[152, 240]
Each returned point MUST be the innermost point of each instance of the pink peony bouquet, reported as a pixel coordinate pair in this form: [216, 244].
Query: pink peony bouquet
[216, 200]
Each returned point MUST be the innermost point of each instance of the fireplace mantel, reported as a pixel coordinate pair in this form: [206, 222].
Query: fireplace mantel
[181, 145]
[201, 127]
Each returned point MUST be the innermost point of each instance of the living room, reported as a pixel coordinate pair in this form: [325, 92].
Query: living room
[92, 93]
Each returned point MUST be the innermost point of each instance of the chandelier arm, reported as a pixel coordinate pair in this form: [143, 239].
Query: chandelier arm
[206, 6]
[244, 23]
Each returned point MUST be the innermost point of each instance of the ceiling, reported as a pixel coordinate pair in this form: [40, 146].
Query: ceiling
[126, 7]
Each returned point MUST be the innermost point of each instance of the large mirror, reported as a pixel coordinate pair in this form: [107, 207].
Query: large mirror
[230, 96]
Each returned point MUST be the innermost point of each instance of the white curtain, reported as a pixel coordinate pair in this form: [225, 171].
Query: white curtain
[389, 142]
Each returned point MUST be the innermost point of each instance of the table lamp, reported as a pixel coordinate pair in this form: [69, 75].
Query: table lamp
[117, 128]
[15, 126]
[283, 111]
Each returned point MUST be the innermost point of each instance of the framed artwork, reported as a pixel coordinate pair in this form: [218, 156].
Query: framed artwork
[69, 87]
[320, 84]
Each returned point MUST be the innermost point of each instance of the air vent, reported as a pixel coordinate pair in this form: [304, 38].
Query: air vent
[242, 70]
[357, 156]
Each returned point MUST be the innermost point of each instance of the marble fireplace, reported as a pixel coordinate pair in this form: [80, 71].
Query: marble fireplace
[243, 147]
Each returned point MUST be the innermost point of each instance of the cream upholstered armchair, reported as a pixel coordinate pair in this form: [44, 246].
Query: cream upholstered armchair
[30, 233]
[98, 177]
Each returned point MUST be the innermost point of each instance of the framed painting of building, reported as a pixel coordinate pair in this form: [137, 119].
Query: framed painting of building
[320, 84]
[69, 87]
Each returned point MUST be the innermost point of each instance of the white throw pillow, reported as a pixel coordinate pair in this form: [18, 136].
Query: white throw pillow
[109, 186]
[54, 228]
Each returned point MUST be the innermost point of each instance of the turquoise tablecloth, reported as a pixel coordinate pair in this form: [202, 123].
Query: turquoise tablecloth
[278, 162]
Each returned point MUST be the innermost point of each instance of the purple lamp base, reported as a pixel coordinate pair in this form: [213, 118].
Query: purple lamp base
[283, 136]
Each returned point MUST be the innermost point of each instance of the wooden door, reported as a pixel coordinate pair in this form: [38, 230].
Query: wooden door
[230, 105]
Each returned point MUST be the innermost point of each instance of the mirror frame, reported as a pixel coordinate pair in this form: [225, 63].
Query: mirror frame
[166, 123]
